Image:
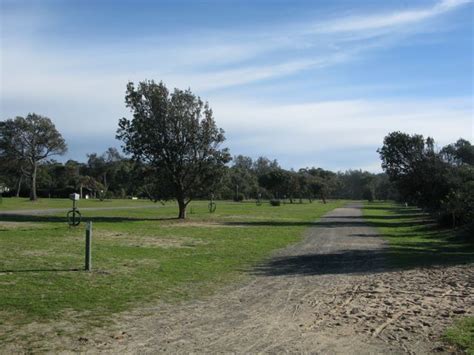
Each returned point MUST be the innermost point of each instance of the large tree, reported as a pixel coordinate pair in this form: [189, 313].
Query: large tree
[441, 183]
[176, 135]
[28, 141]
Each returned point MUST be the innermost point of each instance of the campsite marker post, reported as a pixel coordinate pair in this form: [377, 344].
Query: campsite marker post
[88, 265]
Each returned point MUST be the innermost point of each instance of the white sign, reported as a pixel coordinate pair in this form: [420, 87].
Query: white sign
[74, 197]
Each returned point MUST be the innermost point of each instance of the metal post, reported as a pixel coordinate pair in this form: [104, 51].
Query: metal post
[73, 212]
[88, 265]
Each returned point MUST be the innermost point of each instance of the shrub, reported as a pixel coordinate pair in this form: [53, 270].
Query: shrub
[368, 194]
[274, 202]
[239, 197]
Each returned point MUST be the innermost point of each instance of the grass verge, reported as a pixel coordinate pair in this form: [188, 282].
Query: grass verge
[462, 334]
[414, 239]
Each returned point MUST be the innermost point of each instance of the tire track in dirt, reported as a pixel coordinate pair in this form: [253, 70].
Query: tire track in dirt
[269, 313]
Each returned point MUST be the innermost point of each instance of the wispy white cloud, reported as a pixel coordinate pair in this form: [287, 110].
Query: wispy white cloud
[361, 122]
[390, 19]
[200, 62]
[82, 88]
[315, 131]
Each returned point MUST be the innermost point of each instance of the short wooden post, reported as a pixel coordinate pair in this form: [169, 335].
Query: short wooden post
[88, 265]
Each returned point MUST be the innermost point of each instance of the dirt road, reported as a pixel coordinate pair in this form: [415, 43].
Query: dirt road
[328, 294]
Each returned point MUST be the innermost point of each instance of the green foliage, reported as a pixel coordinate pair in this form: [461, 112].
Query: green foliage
[275, 202]
[440, 183]
[175, 135]
[274, 181]
[239, 197]
[241, 178]
[368, 194]
[26, 142]
[354, 184]
[462, 334]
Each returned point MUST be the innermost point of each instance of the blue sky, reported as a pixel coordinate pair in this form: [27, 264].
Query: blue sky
[310, 83]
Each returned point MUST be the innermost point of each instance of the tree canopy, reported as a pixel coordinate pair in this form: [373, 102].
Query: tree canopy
[441, 183]
[27, 141]
[176, 136]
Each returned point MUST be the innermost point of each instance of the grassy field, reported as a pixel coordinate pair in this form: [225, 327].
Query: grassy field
[44, 203]
[139, 255]
[414, 239]
[462, 334]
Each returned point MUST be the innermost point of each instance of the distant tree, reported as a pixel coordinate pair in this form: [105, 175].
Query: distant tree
[104, 168]
[459, 153]
[354, 183]
[274, 181]
[11, 172]
[241, 178]
[176, 135]
[384, 189]
[29, 141]
[318, 188]
[440, 183]
[264, 165]
[368, 194]
[293, 187]
[416, 169]
[322, 183]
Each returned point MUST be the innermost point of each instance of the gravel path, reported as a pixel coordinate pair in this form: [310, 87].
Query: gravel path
[328, 294]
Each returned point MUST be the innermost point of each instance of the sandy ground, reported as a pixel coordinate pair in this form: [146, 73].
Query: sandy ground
[329, 294]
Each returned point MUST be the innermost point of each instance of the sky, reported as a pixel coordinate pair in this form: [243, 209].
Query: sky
[309, 83]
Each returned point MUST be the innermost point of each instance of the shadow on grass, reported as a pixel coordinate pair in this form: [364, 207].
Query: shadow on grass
[396, 216]
[323, 224]
[39, 270]
[414, 241]
[59, 219]
[376, 206]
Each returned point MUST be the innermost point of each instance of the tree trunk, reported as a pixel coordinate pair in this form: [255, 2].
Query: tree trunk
[323, 198]
[182, 208]
[18, 186]
[33, 196]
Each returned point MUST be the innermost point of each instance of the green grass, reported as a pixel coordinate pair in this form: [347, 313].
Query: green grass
[462, 334]
[414, 239]
[43, 203]
[139, 255]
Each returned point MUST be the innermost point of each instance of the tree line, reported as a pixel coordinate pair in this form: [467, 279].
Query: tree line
[440, 181]
[113, 175]
[172, 149]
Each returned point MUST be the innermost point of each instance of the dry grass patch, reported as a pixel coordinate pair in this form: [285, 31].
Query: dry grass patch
[200, 224]
[9, 225]
[148, 241]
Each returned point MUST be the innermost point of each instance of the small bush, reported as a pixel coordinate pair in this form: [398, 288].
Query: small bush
[275, 202]
[368, 195]
[239, 197]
